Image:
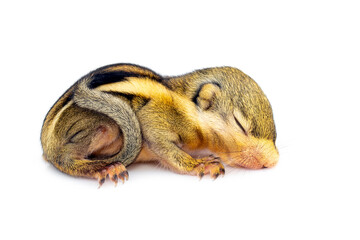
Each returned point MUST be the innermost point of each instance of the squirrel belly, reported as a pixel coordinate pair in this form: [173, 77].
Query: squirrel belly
[123, 113]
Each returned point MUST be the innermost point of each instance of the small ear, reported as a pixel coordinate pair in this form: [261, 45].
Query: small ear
[206, 95]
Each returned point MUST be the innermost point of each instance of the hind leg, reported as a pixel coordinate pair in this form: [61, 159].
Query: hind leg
[98, 169]
[114, 171]
[87, 147]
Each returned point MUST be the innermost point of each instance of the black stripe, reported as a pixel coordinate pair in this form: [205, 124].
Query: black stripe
[67, 100]
[111, 77]
[104, 68]
[129, 97]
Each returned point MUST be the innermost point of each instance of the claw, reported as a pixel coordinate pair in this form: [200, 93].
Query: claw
[101, 176]
[215, 172]
[201, 174]
[215, 175]
[200, 169]
[124, 175]
[115, 179]
[112, 174]
[115, 172]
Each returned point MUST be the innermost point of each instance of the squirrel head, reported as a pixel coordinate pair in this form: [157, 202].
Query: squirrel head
[244, 124]
[252, 142]
[241, 142]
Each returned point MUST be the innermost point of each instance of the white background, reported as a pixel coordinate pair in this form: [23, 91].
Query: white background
[304, 55]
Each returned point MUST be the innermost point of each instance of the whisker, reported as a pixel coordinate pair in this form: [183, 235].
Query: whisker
[233, 152]
[283, 147]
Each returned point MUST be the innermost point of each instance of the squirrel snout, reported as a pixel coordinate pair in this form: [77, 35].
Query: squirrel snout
[271, 162]
[262, 154]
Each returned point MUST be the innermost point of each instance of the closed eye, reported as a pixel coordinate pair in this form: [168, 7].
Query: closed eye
[241, 127]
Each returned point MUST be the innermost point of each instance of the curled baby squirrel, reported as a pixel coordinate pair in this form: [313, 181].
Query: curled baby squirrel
[124, 113]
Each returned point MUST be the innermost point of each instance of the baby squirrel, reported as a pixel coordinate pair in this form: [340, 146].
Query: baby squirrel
[124, 113]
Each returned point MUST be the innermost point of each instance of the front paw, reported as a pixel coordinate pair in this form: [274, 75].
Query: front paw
[209, 165]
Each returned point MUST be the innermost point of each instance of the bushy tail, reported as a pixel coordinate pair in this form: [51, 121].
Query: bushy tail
[118, 110]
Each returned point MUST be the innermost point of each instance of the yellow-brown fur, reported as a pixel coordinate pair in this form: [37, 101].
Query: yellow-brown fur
[128, 113]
